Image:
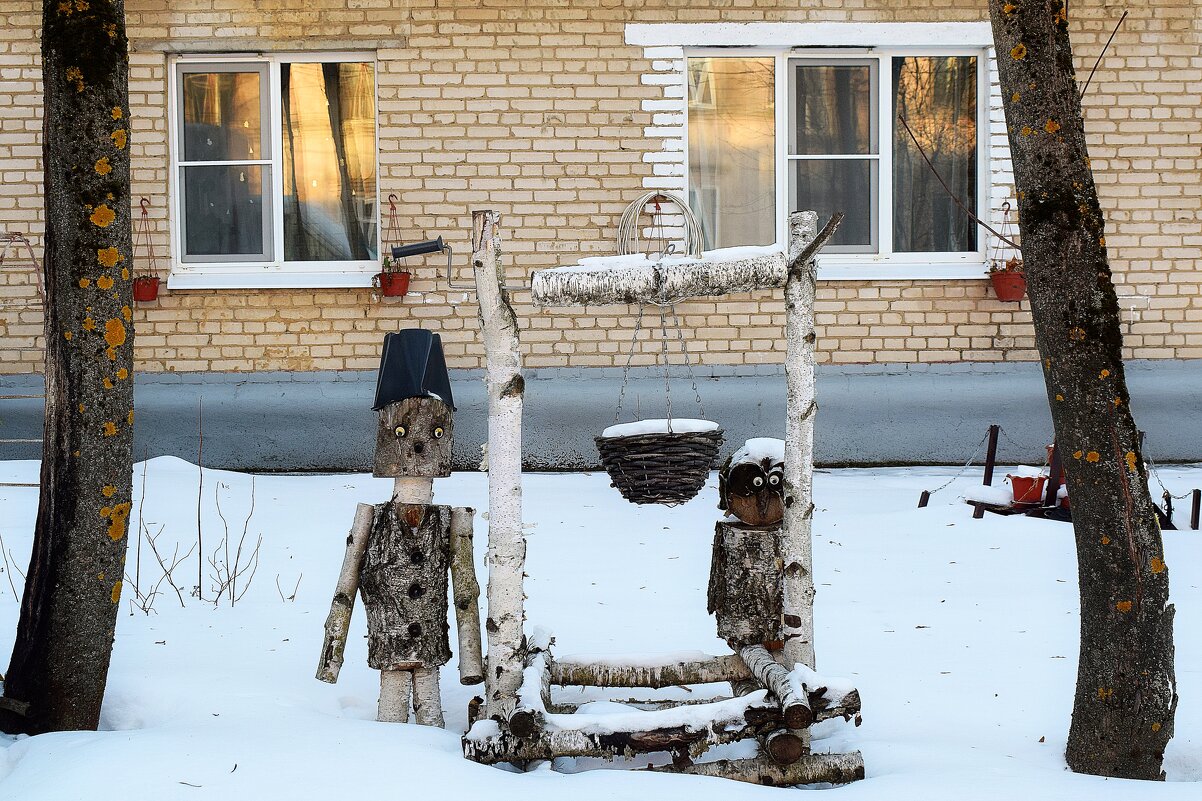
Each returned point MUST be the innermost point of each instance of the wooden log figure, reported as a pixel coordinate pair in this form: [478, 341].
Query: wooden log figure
[751, 482]
[400, 552]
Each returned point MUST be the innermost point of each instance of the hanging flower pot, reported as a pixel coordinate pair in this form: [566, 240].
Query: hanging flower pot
[146, 288]
[660, 461]
[391, 284]
[1008, 285]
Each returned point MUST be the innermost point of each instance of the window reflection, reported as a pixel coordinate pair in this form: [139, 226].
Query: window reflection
[329, 144]
[937, 96]
[731, 153]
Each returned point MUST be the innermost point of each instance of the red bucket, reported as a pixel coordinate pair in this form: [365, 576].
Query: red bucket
[1028, 490]
[392, 285]
[146, 289]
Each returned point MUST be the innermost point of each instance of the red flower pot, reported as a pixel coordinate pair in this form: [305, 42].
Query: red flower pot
[146, 288]
[392, 285]
[1008, 285]
[1028, 490]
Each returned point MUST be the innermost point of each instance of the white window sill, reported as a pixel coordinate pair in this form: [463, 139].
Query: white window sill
[831, 268]
[190, 278]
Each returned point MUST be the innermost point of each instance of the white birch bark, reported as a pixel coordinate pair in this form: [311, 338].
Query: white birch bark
[801, 406]
[670, 672]
[427, 699]
[810, 769]
[467, 596]
[339, 620]
[395, 689]
[506, 542]
[411, 489]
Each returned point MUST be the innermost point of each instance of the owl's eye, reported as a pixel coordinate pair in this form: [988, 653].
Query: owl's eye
[758, 481]
[774, 480]
[438, 432]
[400, 431]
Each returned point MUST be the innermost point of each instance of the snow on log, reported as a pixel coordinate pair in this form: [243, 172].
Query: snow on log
[794, 702]
[810, 769]
[466, 596]
[655, 672]
[610, 280]
[339, 620]
[534, 696]
[800, 408]
[629, 731]
[506, 543]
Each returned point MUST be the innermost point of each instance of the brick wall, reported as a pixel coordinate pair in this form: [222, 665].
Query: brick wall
[540, 110]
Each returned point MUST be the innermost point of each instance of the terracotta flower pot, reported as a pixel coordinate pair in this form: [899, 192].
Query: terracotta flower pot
[1028, 490]
[146, 288]
[392, 285]
[1008, 285]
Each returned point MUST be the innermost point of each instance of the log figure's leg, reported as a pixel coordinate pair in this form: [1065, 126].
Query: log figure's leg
[396, 687]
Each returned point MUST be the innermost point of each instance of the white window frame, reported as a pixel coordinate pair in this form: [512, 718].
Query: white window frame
[229, 272]
[884, 264]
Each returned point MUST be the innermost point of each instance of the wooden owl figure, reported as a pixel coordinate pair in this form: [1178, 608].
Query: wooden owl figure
[751, 483]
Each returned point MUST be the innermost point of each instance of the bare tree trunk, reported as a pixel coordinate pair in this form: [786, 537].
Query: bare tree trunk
[506, 542]
[1126, 690]
[64, 638]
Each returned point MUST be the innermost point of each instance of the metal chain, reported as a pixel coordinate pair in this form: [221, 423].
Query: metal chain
[663, 330]
[1023, 445]
[638, 325]
[1156, 474]
[963, 469]
[687, 363]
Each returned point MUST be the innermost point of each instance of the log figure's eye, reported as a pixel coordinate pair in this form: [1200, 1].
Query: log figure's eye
[774, 480]
[400, 431]
[438, 432]
[758, 481]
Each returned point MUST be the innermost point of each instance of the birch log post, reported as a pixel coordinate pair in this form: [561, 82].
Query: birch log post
[467, 596]
[801, 407]
[809, 769]
[339, 620]
[427, 699]
[775, 679]
[396, 688]
[506, 543]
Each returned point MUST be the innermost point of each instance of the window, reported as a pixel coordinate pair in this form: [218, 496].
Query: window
[275, 169]
[770, 134]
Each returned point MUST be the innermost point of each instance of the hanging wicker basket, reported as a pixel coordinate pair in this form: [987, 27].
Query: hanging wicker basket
[660, 467]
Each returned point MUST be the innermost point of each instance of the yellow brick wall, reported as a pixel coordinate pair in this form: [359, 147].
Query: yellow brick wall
[536, 109]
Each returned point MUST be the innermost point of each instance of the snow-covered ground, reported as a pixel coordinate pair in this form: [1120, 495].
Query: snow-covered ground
[961, 635]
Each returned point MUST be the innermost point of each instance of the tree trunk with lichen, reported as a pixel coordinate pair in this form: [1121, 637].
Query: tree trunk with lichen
[1126, 691]
[68, 614]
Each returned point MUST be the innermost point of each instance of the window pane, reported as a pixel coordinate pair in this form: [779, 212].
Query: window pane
[731, 150]
[224, 211]
[846, 185]
[938, 99]
[222, 116]
[329, 122]
[832, 110]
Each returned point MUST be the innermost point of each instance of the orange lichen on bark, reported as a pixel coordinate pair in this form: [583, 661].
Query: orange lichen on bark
[1009, 8]
[119, 138]
[109, 257]
[117, 516]
[108, 491]
[82, 408]
[1130, 458]
[1028, 130]
[118, 113]
[1105, 693]
[103, 167]
[126, 311]
[1155, 727]
[75, 76]
[84, 283]
[129, 418]
[1051, 126]
[1077, 454]
[104, 282]
[110, 428]
[67, 335]
[1105, 540]
[1104, 374]
[1014, 98]
[1059, 397]
[1076, 334]
[1092, 456]
[1157, 565]
[1018, 52]
[89, 324]
[1124, 606]
[117, 591]
[107, 383]
[122, 374]
[103, 216]
[114, 332]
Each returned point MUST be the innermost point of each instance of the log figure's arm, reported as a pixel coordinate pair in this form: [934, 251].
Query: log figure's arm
[467, 596]
[339, 620]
